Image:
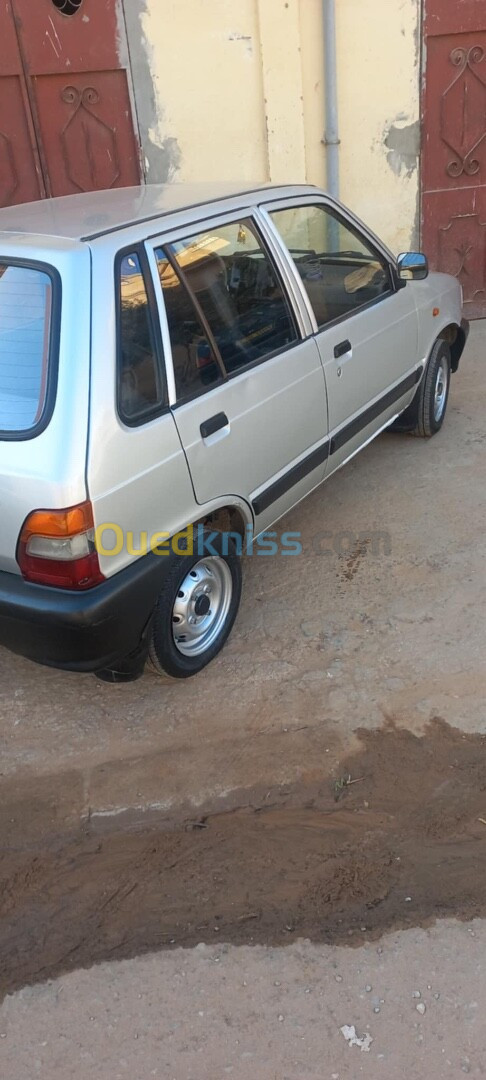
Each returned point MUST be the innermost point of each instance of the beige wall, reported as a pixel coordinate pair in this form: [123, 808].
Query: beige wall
[236, 92]
[205, 61]
[379, 88]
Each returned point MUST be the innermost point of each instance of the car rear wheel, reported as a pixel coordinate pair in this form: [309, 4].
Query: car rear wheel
[425, 416]
[197, 607]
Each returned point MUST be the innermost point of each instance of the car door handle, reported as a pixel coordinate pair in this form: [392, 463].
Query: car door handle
[215, 423]
[342, 348]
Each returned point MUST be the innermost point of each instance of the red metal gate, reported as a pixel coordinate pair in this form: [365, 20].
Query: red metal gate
[454, 145]
[65, 110]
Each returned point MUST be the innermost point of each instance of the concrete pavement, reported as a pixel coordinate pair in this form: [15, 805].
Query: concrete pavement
[217, 1012]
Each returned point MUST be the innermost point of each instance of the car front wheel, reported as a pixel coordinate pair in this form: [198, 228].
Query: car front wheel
[425, 416]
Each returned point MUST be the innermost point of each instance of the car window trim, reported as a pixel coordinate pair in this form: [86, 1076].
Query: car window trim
[349, 221]
[292, 290]
[159, 240]
[53, 354]
[301, 299]
[173, 236]
[155, 411]
[182, 277]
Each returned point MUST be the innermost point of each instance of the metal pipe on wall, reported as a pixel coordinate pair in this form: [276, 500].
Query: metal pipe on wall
[331, 135]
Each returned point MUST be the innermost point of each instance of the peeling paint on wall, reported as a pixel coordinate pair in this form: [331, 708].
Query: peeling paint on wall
[233, 90]
[163, 157]
[245, 38]
[379, 85]
[403, 145]
[198, 87]
[166, 156]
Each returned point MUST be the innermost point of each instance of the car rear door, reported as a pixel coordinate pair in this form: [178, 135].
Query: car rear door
[246, 384]
[365, 326]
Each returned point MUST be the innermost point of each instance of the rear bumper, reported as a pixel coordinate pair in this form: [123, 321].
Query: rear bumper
[81, 631]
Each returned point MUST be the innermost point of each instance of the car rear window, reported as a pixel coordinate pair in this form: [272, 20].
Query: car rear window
[25, 340]
[141, 389]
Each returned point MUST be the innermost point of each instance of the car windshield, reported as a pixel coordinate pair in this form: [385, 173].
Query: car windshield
[25, 332]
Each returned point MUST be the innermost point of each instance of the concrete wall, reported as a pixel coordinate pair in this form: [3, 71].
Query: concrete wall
[379, 98]
[233, 89]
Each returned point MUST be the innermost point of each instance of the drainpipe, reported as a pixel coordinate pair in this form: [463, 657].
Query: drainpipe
[331, 135]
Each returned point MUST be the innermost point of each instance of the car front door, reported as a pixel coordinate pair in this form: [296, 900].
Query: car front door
[246, 386]
[365, 325]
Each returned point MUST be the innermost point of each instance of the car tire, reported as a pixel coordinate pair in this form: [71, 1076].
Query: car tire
[196, 607]
[425, 416]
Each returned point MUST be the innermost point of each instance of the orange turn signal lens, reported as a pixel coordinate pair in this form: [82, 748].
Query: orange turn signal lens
[76, 519]
[56, 547]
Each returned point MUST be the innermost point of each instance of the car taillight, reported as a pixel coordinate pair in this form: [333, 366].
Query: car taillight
[56, 547]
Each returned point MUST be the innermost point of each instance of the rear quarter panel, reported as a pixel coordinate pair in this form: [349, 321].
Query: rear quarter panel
[138, 479]
[48, 471]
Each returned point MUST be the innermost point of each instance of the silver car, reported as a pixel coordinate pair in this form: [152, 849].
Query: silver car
[179, 366]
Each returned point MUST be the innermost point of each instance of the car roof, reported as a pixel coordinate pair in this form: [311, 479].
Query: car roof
[97, 213]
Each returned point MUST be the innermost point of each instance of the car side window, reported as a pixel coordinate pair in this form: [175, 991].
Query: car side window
[140, 386]
[339, 268]
[236, 290]
[193, 354]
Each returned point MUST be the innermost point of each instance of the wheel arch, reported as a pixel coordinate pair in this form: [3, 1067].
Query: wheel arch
[228, 517]
[455, 336]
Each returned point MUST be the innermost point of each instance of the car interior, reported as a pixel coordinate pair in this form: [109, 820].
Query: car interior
[240, 299]
[339, 282]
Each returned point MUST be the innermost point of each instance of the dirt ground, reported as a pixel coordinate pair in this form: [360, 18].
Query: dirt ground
[324, 779]
[325, 643]
[396, 839]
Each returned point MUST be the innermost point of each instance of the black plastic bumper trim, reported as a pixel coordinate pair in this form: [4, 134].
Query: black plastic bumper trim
[81, 631]
[297, 472]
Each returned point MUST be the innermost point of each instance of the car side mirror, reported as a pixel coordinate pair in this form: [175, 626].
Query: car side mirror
[412, 266]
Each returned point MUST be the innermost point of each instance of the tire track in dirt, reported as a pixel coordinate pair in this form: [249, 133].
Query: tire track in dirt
[330, 861]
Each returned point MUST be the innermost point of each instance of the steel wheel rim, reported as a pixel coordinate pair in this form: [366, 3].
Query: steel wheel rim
[201, 606]
[440, 392]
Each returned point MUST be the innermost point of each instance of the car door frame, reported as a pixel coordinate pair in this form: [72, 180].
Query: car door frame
[297, 468]
[313, 199]
[371, 407]
[170, 235]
